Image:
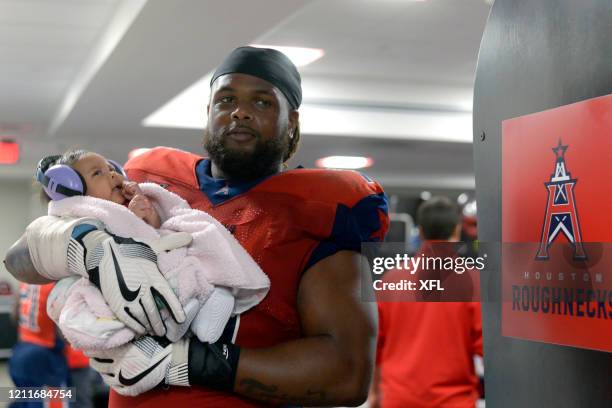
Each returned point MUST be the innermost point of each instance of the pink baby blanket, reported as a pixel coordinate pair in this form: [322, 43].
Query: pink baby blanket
[214, 258]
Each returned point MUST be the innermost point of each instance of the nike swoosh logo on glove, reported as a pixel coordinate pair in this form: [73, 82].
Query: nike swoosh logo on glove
[134, 380]
[127, 294]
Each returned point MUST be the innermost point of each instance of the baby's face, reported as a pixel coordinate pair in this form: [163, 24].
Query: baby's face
[101, 178]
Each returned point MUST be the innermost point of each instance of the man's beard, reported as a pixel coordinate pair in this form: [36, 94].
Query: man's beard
[235, 164]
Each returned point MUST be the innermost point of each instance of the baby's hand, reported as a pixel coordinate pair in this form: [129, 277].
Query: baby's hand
[130, 189]
[142, 207]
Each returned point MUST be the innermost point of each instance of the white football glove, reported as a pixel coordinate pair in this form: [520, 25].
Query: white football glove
[86, 320]
[212, 318]
[142, 364]
[125, 270]
[176, 331]
[48, 239]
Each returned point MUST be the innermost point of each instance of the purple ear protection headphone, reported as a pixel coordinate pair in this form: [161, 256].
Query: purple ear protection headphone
[60, 181]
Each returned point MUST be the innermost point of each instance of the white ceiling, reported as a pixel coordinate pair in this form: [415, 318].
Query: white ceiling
[428, 42]
[43, 44]
[400, 57]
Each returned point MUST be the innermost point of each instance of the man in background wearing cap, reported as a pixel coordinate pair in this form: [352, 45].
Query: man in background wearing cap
[311, 341]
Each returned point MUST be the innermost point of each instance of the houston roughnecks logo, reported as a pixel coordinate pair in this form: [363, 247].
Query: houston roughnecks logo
[561, 215]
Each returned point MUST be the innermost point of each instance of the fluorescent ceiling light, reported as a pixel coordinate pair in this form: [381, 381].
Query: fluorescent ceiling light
[187, 110]
[125, 14]
[408, 124]
[344, 162]
[298, 55]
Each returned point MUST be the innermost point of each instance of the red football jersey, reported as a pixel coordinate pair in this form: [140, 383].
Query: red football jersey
[425, 349]
[425, 354]
[75, 358]
[287, 222]
[35, 326]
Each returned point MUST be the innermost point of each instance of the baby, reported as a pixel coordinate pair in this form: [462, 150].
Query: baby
[105, 180]
[213, 277]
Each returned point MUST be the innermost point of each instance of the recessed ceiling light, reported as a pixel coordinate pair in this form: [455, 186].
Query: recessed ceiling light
[425, 195]
[137, 152]
[470, 209]
[300, 56]
[344, 162]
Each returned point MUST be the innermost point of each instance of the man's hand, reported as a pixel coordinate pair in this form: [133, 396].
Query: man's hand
[147, 362]
[125, 271]
[141, 365]
[213, 365]
[176, 331]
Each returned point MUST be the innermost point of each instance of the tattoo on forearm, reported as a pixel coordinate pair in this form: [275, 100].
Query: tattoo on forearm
[272, 393]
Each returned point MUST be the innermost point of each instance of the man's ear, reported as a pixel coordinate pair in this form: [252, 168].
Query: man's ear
[204, 136]
[294, 119]
[456, 233]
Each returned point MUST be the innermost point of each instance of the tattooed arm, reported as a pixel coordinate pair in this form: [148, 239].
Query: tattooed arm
[332, 363]
[19, 263]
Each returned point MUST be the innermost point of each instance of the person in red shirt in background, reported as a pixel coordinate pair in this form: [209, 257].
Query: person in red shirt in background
[38, 358]
[425, 349]
[42, 357]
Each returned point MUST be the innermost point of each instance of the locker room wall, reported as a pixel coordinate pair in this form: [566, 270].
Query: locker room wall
[535, 55]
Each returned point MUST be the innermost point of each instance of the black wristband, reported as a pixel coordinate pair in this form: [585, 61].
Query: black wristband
[213, 365]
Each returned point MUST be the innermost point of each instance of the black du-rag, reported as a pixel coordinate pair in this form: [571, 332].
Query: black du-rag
[270, 65]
